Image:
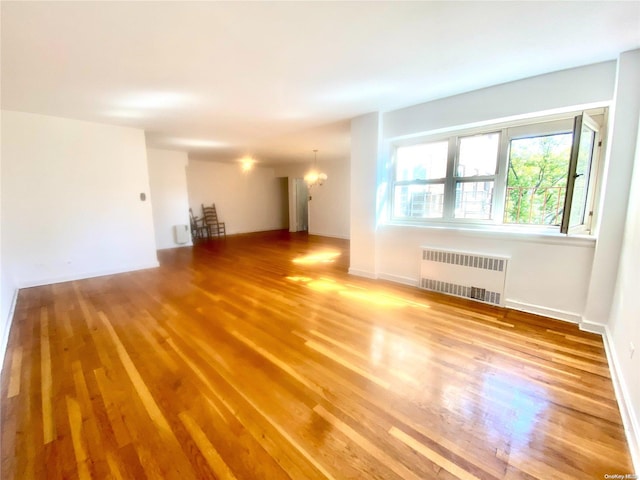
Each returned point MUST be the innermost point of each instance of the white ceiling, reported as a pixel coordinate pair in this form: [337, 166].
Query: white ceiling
[276, 80]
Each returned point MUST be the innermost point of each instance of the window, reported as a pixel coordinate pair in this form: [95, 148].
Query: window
[579, 187]
[475, 176]
[420, 175]
[537, 179]
[539, 173]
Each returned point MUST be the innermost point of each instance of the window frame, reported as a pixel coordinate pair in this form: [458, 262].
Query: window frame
[473, 179]
[530, 127]
[580, 122]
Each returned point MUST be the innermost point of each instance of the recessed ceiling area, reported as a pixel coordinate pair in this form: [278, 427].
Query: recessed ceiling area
[275, 80]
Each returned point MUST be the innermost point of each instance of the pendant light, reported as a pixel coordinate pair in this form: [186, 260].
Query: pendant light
[314, 176]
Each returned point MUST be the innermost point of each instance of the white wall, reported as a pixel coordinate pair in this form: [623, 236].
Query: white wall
[620, 155]
[624, 324]
[169, 194]
[246, 201]
[547, 276]
[70, 200]
[365, 148]
[329, 207]
[567, 88]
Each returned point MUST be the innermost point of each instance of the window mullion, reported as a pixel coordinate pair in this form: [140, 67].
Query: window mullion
[450, 183]
[500, 189]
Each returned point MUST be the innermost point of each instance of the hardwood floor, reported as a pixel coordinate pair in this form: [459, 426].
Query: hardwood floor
[259, 357]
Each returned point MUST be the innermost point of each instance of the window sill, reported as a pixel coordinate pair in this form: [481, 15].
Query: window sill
[499, 232]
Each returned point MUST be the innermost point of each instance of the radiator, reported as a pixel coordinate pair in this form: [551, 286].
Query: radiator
[181, 233]
[464, 274]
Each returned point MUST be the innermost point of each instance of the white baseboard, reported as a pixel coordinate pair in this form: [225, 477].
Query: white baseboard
[362, 273]
[81, 276]
[7, 327]
[592, 327]
[412, 282]
[547, 312]
[182, 245]
[330, 235]
[629, 419]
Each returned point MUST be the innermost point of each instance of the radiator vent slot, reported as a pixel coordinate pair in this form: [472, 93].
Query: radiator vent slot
[464, 274]
[465, 259]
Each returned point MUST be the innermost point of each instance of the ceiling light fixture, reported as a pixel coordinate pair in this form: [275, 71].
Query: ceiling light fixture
[314, 176]
[247, 164]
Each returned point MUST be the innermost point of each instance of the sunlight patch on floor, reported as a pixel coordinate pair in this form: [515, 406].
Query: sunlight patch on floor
[327, 256]
[375, 298]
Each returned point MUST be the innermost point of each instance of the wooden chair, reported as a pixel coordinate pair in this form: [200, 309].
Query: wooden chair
[198, 228]
[215, 226]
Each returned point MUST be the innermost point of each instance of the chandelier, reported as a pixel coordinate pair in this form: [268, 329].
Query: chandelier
[314, 176]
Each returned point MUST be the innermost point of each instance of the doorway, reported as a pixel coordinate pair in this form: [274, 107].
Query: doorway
[298, 205]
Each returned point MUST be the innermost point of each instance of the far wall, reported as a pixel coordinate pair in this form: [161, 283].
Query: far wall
[251, 201]
[246, 201]
[329, 207]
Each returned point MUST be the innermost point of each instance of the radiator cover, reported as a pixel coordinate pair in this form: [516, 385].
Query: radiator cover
[471, 275]
[181, 234]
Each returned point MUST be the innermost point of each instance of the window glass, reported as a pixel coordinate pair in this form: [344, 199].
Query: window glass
[478, 155]
[474, 200]
[425, 161]
[537, 179]
[583, 170]
[419, 201]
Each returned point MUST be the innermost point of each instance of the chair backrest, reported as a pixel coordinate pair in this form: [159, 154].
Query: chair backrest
[192, 219]
[210, 215]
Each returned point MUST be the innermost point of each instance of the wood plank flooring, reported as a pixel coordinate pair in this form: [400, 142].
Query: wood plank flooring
[259, 357]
